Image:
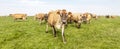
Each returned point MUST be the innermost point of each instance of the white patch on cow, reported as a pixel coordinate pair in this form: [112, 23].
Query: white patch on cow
[58, 26]
[79, 21]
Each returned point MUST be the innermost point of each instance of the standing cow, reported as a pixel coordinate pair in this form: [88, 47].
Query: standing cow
[57, 19]
[94, 16]
[40, 17]
[69, 18]
[77, 18]
[86, 17]
[19, 16]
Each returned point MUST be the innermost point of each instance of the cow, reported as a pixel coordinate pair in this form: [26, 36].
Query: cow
[56, 19]
[19, 16]
[40, 17]
[10, 14]
[113, 16]
[94, 16]
[110, 16]
[46, 17]
[69, 18]
[86, 17]
[77, 18]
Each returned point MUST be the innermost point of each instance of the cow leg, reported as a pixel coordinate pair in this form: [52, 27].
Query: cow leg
[54, 31]
[79, 25]
[88, 22]
[66, 24]
[85, 22]
[70, 21]
[40, 21]
[75, 23]
[63, 37]
[23, 18]
[15, 19]
[46, 28]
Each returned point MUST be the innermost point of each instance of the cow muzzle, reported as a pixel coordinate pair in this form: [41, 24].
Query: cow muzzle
[64, 21]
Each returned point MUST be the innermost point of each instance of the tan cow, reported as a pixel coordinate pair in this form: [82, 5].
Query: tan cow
[57, 20]
[86, 17]
[40, 17]
[69, 18]
[77, 18]
[94, 16]
[113, 16]
[19, 16]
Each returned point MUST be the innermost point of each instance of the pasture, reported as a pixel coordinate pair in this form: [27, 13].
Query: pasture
[99, 34]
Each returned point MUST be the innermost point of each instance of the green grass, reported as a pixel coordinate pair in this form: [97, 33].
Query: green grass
[99, 34]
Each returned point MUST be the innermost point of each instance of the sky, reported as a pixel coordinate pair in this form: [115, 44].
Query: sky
[31, 7]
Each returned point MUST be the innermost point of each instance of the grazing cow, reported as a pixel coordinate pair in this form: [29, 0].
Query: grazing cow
[40, 17]
[57, 20]
[86, 17]
[77, 18]
[19, 16]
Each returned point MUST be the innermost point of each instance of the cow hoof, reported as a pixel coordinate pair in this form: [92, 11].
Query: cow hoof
[64, 42]
[54, 36]
[46, 31]
[78, 27]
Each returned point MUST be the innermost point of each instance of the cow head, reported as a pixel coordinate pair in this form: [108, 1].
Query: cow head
[46, 17]
[64, 16]
[79, 21]
[84, 17]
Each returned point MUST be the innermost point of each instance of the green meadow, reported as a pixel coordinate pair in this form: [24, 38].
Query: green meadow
[102, 33]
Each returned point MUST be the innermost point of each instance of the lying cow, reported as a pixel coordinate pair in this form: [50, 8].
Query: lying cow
[56, 19]
[19, 16]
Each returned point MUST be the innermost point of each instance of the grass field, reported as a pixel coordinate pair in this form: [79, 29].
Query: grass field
[99, 34]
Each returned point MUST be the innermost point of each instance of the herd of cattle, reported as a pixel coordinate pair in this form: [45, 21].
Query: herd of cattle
[58, 19]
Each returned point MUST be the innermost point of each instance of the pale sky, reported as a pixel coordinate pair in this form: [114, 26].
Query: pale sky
[31, 7]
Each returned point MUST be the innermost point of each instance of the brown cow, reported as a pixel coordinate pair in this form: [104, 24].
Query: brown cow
[110, 16]
[107, 16]
[19, 16]
[113, 16]
[57, 20]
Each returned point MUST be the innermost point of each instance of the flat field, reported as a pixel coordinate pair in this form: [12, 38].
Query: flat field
[99, 34]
